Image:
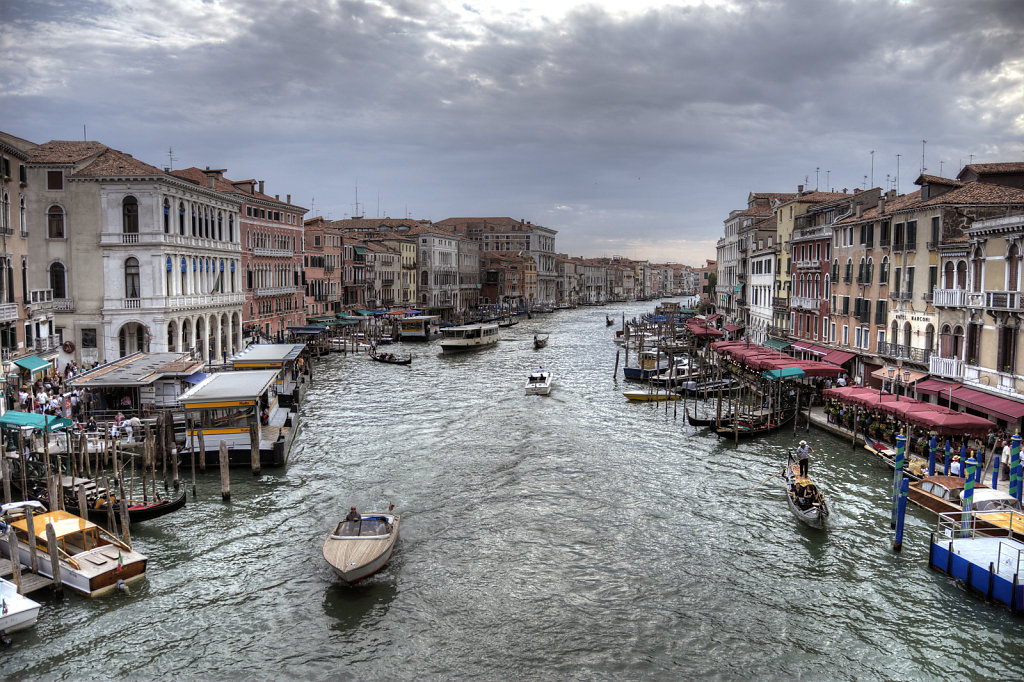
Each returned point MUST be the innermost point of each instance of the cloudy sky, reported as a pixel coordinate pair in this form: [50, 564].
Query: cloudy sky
[630, 126]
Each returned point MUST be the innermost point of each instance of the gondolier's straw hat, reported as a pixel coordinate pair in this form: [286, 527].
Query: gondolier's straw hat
[803, 442]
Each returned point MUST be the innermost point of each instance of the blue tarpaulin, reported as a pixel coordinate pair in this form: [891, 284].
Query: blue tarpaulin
[196, 377]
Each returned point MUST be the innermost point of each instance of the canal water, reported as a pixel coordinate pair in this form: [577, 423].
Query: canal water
[573, 536]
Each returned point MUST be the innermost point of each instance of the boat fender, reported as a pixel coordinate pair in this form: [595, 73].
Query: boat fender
[122, 586]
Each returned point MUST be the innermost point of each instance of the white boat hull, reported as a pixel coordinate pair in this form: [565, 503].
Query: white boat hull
[17, 612]
[354, 557]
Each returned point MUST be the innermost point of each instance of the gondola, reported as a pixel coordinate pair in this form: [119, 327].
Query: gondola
[746, 430]
[608, 321]
[391, 359]
[137, 510]
[539, 341]
[695, 421]
[803, 497]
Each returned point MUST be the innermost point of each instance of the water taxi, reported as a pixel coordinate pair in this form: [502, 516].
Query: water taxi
[648, 364]
[357, 549]
[17, 611]
[92, 561]
[420, 327]
[539, 383]
[469, 336]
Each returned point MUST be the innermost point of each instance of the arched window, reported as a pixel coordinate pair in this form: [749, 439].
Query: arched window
[55, 223]
[961, 274]
[131, 278]
[977, 266]
[907, 334]
[948, 275]
[424, 281]
[181, 217]
[828, 289]
[883, 275]
[24, 217]
[869, 273]
[958, 341]
[894, 334]
[862, 271]
[58, 281]
[194, 221]
[220, 226]
[929, 338]
[817, 286]
[5, 211]
[231, 228]
[130, 215]
[946, 342]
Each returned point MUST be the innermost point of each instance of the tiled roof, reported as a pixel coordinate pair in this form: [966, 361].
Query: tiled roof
[222, 184]
[773, 196]
[899, 203]
[978, 193]
[371, 224]
[937, 180]
[64, 151]
[990, 168]
[113, 162]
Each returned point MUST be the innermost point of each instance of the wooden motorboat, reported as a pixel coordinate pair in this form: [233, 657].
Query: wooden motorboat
[17, 611]
[915, 467]
[539, 341]
[357, 549]
[391, 358]
[92, 561]
[804, 498]
[944, 495]
[138, 510]
[539, 383]
[657, 395]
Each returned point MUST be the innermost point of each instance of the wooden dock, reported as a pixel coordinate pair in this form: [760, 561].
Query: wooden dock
[30, 582]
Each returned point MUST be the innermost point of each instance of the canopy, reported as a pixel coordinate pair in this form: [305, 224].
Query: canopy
[785, 373]
[731, 327]
[934, 417]
[737, 288]
[935, 387]
[838, 357]
[33, 363]
[1009, 410]
[16, 420]
[914, 375]
[777, 344]
[810, 348]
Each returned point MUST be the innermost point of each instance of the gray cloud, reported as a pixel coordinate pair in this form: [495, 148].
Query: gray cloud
[651, 127]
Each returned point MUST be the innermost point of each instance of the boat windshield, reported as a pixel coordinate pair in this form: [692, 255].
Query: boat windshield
[367, 526]
[998, 504]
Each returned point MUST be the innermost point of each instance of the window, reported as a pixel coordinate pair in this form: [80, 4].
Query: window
[935, 231]
[857, 337]
[933, 279]
[881, 339]
[55, 179]
[883, 275]
[57, 280]
[130, 215]
[897, 281]
[832, 333]
[911, 239]
[131, 278]
[167, 216]
[846, 306]
[88, 338]
[880, 311]
[181, 218]
[909, 291]
[846, 335]
[1012, 268]
[55, 223]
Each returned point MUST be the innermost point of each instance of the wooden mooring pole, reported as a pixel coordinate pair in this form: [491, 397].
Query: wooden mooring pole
[225, 472]
[51, 543]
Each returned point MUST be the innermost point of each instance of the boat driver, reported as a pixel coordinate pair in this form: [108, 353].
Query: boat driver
[353, 515]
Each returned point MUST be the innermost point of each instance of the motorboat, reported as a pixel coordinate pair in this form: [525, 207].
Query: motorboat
[92, 561]
[945, 494]
[469, 336]
[538, 383]
[657, 395]
[804, 498]
[648, 364]
[357, 549]
[17, 611]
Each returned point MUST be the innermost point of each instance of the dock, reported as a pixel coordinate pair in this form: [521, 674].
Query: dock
[30, 582]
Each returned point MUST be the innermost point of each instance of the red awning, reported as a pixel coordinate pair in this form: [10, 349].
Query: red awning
[838, 357]
[935, 387]
[1003, 408]
[731, 327]
[811, 348]
[712, 317]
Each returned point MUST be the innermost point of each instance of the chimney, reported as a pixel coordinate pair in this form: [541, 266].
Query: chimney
[881, 205]
[209, 180]
[799, 189]
[277, 197]
[858, 211]
[261, 187]
[288, 198]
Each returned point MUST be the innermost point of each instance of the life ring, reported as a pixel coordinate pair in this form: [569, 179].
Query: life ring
[69, 347]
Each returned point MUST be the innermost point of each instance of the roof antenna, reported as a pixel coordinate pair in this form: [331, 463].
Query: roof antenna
[923, 143]
[170, 158]
[85, 138]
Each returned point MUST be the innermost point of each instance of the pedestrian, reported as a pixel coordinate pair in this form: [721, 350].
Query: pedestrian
[803, 453]
[954, 468]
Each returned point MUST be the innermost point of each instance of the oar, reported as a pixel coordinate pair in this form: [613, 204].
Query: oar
[768, 479]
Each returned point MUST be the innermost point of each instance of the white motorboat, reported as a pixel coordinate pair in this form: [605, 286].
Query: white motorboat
[92, 561]
[357, 549]
[469, 336]
[17, 611]
[539, 383]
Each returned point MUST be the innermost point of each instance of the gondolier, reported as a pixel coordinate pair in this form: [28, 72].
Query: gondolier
[803, 453]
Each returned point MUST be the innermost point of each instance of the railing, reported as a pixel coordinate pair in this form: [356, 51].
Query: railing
[988, 379]
[931, 245]
[159, 238]
[805, 303]
[131, 303]
[263, 292]
[953, 298]
[175, 302]
[810, 263]
[780, 303]
[894, 295]
[778, 331]
[883, 242]
[898, 246]
[40, 295]
[896, 350]
[272, 253]
[129, 237]
[1003, 300]
[741, 276]
[49, 343]
[951, 368]
[63, 305]
[8, 312]
[928, 296]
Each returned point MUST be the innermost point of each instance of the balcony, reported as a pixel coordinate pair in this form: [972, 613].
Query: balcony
[161, 239]
[8, 312]
[49, 343]
[895, 295]
[272, 253]
[989, 380]
[805, 303]
[40, 296]
[883, 242]
[1003, 300]
[895, 350]
[265, 292]
[780, 303]
[950, 298]
[897, 246]
[813, 263]
[951, 368]
[174, 303]
[778, 331]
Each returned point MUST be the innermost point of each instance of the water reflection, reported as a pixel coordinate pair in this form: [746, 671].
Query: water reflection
[362, 605]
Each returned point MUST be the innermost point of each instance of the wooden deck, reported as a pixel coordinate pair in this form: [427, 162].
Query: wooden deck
[30, 582]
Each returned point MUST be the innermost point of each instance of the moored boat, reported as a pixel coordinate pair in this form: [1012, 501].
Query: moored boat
[357, 549]
[804, 498]
[751, 427]
[469, 336]
[944, 495]
[92, 561]
[699, 421]
[138, 510]
[17, 611]
[657, 395]
[538, 383]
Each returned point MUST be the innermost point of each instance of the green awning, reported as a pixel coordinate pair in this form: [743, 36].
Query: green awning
[777, 344]
[360, 250]
[16, 420]
[365, 313]
[739, 286]
[784, 373]
[33, 363]
[342, 323]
